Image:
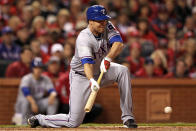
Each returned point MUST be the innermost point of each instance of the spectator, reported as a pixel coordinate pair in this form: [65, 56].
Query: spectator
[116, 5]
[63, 4]
[71, 39]
[162, 22]
[194, 14]
[190, 46]
[14, 23]
[160, 63]
[63, 91]
[27, 15]
[53, 68]
[36, 94]
[80, 25]
[75, 9]
[42, 36]
[51, 21]
[37, 52]
[152, 5]
[188, 27]
[38, 23]
[172, 33]
[182, 11]
[180, 71]
[57, 50]
[36, 8]
[123, 23]
[145, 12]
[22, 67]
[48, 7]
[189, 61]
[5, 10]
[163, 46]
[22, 34]
[68, 54]
[147, 38]
[62, 18]
[145, 33]
[54, 28]
[170, 7]
[54, 35]
[173, 52]
[135, 60]
[132, 37]
[20, 4]
[147, 71]
[8, 49]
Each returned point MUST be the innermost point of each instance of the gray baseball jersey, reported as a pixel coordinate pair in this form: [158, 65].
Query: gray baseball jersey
[87, 46]
[90, 49]
[38, 89]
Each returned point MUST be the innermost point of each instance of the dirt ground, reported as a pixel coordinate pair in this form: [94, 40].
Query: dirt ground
[110, 128]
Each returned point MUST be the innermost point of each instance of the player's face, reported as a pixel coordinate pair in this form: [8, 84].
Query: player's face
[98, 27]
[37, 71]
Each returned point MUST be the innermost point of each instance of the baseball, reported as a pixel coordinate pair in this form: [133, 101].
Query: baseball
[168, 109]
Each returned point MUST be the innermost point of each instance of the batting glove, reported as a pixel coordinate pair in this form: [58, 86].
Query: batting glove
[94, 85]
[105, 64]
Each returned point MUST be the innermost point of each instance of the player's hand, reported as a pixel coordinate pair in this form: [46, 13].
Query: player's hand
[34, 108]
[94, 85]
[105, 64]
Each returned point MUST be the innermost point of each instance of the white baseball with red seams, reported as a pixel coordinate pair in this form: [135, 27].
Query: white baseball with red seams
[168, 109]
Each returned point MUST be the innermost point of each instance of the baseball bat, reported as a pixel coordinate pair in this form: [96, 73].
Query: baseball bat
[92, 96]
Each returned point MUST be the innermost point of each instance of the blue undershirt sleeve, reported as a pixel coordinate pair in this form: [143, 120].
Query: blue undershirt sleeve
[116, 38]
[87, 60]
[51, 90]
[26, 91]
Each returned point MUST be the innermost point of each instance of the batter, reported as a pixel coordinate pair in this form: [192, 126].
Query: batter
[96, 47]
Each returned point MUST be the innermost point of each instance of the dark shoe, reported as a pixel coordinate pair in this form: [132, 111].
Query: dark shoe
[130, 124]
[33, 122]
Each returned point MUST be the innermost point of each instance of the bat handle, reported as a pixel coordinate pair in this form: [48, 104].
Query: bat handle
[100, 77]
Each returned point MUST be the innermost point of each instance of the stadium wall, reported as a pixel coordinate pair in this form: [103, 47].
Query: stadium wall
[150, 96]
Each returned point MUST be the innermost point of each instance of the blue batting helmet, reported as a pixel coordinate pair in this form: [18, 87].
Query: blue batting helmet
[97, 12]
[37, 62]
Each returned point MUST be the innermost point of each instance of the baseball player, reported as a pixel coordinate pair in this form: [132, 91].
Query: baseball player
[96, 47]
[36, 93]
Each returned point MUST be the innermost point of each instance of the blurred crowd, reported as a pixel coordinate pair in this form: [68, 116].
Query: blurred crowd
[159, 35]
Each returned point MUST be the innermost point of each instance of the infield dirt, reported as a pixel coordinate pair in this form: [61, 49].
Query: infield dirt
[109, 128]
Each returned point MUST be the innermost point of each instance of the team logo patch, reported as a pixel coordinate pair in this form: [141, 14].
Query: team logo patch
[103, 11]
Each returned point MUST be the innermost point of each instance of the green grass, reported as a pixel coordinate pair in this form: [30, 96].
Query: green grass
[108, 125]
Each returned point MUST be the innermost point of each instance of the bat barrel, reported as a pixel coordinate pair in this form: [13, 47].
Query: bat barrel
[90, 101]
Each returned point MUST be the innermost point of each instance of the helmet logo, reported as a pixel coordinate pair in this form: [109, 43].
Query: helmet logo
[103, 11]
[37, 61]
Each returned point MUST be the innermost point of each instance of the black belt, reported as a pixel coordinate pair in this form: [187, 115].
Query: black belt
[79, 73]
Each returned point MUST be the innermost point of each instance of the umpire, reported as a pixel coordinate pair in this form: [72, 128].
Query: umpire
[36, 94]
